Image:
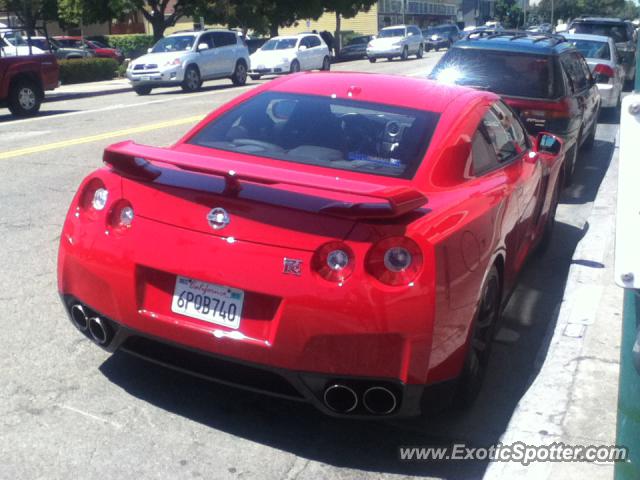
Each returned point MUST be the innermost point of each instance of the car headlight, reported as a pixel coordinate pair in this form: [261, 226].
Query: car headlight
[174, 62]
[369, 45]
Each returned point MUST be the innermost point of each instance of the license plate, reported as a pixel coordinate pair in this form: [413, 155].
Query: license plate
[145, 78]
[207, 301]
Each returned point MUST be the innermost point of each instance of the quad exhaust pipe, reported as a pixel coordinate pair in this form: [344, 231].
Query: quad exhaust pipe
[379, 400]
[96, 328]
[340, 398]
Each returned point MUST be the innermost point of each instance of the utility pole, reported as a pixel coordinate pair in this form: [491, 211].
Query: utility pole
[552, 13]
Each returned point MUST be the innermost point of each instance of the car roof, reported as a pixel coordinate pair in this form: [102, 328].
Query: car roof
[396, 26]
[397, 90]
[532, 43]
[597, 20]
[587, 36]
[198, 32]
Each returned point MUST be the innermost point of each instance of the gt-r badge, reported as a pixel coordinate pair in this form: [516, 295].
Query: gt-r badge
[292, 266]
[218, 218]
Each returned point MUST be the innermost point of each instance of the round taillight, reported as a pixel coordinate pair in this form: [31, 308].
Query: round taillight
[122, 215]
[395, 261]
[334, 261]
[99, 200]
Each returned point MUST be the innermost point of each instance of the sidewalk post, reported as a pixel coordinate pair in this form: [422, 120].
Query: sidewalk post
[628, 276]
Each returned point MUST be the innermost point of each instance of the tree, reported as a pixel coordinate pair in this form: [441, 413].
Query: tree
[270, 15]
[570, 9]
[345, 9]
[31, 12]
[509, 13]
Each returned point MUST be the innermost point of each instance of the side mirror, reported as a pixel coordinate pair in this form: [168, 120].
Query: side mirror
[410, 34]
[302, 47]
[149, 50]
[203, 46]
[548, 143]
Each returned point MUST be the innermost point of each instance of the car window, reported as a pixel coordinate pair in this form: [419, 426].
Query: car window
[505, 73]
[585, 67]
[575, 72]
[323, 131]
[392, 32]
[502, 141]
[223, 39]
[358, 41]
[280, 44]
[414, 30]
[592, 49]
[616, 31]
[178, 43]
[483, 156]
[512, 125]
[314, 42]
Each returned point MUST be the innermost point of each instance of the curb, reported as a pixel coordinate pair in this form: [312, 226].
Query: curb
[539, 418]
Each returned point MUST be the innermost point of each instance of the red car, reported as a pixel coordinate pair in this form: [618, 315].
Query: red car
[97, 48]
[344, 239]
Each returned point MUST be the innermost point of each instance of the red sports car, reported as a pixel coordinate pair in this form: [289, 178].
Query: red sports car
[98, 49]
[344, 239]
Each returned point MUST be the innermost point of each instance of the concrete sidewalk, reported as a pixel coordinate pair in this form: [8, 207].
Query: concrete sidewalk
[90, 89]
[573, 399]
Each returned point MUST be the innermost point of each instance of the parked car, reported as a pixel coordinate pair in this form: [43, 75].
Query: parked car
[482, 31]
[605, 63]
[96, 48]
[290, 54]
[542, 77]
[442, 36]
[24, 79]
[187, 59]
[541, 28]
[13, 43]
[356, 48]
[398, 41]
[622, 33]
[61, 53]
[293, 250]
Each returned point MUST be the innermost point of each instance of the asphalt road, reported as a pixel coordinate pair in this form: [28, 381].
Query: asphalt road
[70, 410]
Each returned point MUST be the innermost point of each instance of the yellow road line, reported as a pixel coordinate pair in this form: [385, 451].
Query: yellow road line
[101, 136]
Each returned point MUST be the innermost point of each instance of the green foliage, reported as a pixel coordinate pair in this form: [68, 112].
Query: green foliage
[509, 13]
[348, 8]
[267, 16]
[131, 46]
[31, 12]
[87, 70]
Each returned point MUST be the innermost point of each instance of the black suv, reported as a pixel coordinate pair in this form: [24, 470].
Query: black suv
[440, 36]
[542, 77]
[622, 33]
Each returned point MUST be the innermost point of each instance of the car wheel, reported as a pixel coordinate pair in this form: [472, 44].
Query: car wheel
[326, 64]
[142, 90]
[570, 164]
[420, 53]
[480, 341]
[550, 223]
[192, 81]
[405, 53]
[295, 67]
[436, 48]
[372, 59]
[255, 77]
[25, 98]
[239, 76]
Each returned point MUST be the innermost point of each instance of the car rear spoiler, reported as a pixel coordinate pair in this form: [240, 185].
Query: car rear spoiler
[301, 190]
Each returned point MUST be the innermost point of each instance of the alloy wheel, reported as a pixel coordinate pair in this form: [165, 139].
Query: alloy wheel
[27, 98]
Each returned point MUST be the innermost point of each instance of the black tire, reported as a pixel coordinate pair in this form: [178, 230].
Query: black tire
[570, 161]
[436, 48]
[142, 90]
[405, 53]
[25, 98]
[255, 77]
[239, 76]
[295, 67]
[372, 59]
[326, 64]
[192, 80]
[420, 53]
[480, 341]
[550, 223]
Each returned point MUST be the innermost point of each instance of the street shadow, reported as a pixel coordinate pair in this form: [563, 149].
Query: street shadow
[521, 346]
[8, 118]
[590, 169]
[60, 97]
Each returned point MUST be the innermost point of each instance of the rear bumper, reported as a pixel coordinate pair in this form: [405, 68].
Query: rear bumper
[359, 330]
[608, 97]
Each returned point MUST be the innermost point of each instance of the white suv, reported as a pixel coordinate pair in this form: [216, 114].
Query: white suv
[398, 41]
[187, 59]
[290, 54]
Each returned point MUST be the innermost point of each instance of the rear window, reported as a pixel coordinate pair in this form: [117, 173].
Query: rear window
[323, 131]
[592, 49]
[616, 31]
[511, 74]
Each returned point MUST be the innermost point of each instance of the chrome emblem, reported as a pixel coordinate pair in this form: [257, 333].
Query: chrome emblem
[292, 266]
[218, 218]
